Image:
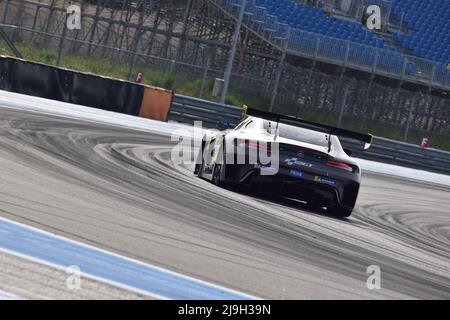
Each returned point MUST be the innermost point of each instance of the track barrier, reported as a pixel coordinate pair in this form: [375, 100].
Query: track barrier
[45, 81]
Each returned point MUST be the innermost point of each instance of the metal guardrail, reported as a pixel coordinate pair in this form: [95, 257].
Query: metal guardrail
[402, 154]
[187, 110]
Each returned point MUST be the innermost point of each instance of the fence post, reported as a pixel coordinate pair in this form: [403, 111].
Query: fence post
[182, 46]
[316, 49]
[94, 27]
[347, 50]
[137, 38]
[280, 71]
[405, 63]
[204, 77]
[408, 121]
[36, 14]
[233, 49]
[62, 40]
[6, 11]
[433, 73]
[133, 58]
[344, 102]
[46, 38]
[375, 60]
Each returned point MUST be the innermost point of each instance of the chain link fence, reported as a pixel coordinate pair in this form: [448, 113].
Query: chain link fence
[183, 45]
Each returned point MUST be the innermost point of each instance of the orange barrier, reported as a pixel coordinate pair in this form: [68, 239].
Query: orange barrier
[156, 103]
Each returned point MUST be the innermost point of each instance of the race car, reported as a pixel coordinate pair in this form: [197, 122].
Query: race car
[287, 157]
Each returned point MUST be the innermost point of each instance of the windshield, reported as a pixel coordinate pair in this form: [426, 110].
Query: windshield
[298, 134]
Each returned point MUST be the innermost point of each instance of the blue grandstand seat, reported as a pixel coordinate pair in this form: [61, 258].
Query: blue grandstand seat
[315, 20]
[428, 24]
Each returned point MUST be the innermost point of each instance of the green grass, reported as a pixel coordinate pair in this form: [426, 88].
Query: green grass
[188, 86]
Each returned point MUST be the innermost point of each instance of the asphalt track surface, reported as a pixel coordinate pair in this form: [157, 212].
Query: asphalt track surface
[117, 189]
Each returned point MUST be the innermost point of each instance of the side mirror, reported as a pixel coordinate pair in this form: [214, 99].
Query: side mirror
[223, 125]
[348, 152]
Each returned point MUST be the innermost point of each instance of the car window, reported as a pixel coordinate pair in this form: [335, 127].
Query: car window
[240, 125]
[248, 124]
[296, 133]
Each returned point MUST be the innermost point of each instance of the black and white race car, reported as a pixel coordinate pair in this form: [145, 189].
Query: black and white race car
[287, 157]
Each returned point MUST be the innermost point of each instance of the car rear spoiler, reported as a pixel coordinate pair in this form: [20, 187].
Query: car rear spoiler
[279, 118]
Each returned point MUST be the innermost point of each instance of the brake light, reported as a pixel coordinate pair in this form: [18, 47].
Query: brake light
[257, 146]
[339, 165]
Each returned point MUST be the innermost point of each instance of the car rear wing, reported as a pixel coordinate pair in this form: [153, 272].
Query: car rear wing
[279, 118]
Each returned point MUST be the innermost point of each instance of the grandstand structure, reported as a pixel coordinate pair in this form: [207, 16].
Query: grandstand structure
[398, 74]
[313, 32]
[316, 53]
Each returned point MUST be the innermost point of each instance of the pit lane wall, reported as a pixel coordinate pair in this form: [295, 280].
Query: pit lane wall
[45, 81]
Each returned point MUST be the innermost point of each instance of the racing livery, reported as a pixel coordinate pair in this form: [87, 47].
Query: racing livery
[285, 157]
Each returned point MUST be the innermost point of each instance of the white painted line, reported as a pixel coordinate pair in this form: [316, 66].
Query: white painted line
[168, 273]
[85, 275]
[9, 296]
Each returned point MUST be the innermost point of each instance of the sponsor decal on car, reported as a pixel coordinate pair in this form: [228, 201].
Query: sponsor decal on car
[295, 173]
[291, 161]
[323, 180]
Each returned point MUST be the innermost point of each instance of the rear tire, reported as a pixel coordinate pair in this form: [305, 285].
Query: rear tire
[316, 205]
[217, 175]
[340, 212]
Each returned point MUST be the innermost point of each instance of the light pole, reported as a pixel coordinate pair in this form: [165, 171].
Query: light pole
[229, 69]
[280, 71]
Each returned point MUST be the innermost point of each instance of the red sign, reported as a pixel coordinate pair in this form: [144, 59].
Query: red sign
[424, 143]
[139, 77]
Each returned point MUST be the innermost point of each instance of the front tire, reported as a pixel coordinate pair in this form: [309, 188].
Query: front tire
[199, 166]
[198, 169]
[218, 173]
